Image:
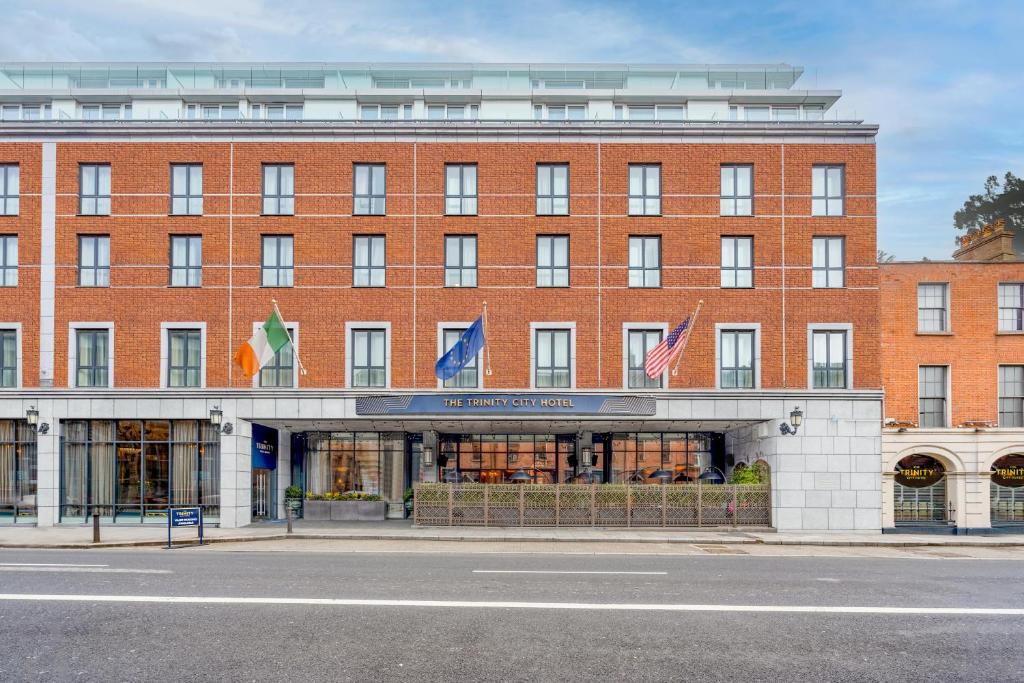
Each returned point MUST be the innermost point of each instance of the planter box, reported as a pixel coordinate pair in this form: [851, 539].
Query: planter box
[346, 510]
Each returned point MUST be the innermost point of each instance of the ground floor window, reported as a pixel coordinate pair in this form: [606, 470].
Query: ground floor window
[495, 458]
[920, 491]
[17, 472]
[132, 470]
[1007, 490]
[634, 457]
[370, 462]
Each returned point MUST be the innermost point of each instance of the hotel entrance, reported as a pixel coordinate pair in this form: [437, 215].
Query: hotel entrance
[262, 494]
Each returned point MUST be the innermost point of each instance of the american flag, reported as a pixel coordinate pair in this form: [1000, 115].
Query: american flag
[661, 355]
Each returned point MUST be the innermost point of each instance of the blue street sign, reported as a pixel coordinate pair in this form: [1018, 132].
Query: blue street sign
[184, 516]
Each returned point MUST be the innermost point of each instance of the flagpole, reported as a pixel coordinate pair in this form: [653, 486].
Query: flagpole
[487, 347]
[295, 350]
[689, 332]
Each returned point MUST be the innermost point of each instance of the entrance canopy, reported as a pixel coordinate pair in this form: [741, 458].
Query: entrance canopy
[505, 426]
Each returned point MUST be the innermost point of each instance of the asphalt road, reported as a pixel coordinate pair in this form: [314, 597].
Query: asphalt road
[509, 617]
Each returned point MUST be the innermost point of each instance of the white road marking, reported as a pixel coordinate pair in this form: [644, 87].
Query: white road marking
[48, 564]
[85, 570]
[545, 571]
[466, 604]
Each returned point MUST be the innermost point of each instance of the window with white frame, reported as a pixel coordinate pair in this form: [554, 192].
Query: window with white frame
[757, 113]
[187, 189]
[278, 262]
[828, 190]
[469, 376]
[931, 392]
[10, 189]
[814, 112]
[369, 362]
[8, 260]
[1011, 307]
[368, 193]
[933, 307]
[8, 358]
[786, 113]
[184, 358]
[644, 261]
[644, 189]
[212, 112]
[737, 262]
[560, 112]
[186, 260]
[552, 358]
[650, 112]
[92, 359]
[737, 190]
[368, 266]
[277, 112]
[552, 189]
[278, 189]
[460, 261]
[385, 112]
[638, 344]
[552, 260]
[105, 112]
[1011, 395]
[460, 196]
[94, 189]
[26, 112]
[828, 259]
[829, 359]
[94, 260]
[736, 358]
[280, 371]
[453, 112]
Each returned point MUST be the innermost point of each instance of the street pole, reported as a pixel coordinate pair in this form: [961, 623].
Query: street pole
[95, 526]
[288, 515]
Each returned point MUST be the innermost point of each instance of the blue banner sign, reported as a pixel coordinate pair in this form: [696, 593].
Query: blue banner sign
[185, 516]
[504, 404]
[264, 447]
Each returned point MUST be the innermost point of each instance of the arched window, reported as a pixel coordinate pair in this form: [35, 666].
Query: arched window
[1007, 490]
[920, 491]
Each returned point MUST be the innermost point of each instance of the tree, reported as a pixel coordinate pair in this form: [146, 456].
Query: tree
[1006, 202]
[885, 257]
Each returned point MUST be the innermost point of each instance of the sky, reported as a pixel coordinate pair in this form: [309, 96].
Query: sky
[942, 78]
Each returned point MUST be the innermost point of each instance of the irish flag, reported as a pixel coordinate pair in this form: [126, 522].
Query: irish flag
[260, 349]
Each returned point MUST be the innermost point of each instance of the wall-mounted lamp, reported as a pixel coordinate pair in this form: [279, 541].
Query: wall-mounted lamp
[216, 417]
[427, 456]
[796, 417]
[587, 456]
[32, 417]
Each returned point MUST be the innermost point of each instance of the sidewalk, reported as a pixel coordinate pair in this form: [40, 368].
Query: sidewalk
[403, 530]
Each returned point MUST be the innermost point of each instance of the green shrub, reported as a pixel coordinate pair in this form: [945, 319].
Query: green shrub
[338, 495]
[750, 475]
[293, 491]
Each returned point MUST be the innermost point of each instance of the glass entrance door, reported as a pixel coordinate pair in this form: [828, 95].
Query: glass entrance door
[262, 494]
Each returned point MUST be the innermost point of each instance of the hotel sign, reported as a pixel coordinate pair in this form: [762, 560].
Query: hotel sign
[505, 404]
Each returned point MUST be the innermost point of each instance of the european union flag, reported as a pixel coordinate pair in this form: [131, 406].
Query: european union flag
[462, 352]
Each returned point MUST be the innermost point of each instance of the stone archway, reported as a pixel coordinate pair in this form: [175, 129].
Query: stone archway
[953, 494]
[1006, 490]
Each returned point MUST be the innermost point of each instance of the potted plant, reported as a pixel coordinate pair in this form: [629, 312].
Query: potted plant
[293, 500]
[345, 506]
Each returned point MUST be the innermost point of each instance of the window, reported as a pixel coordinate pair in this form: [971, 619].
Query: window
[459, 189]
[552, 260]
[10, 190]
[187, 189]
[186, 261]
[639, 343]
[561, 112]
[469, 376]
[1011, 307]
[552, 189]
[277, 112]
[814, 112]
[827, 190]
[460, 261]
[280, 371]
[1011, 395]
[452, 112]
[92, 358]
[278, 263]
[278, 189]
[8, 358]
[644, 189]
[552, 363]
[212, 112]
[736, 350]
[827, 262]
[385, 112]
[757, 113]
[828, 359]
[8, 260]
[786, 113]
[644, 261]
[368, 261]
[94, 189]
[106, 112]
[931, 395]
[369, 192]
[185, 358]
[932, 307]
[651, 112]
[26, 112]
[737, 194]
[93, 260]
[737, 262]
[369, 365]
